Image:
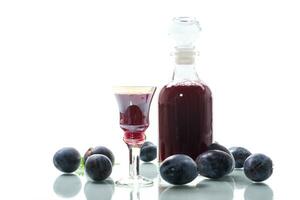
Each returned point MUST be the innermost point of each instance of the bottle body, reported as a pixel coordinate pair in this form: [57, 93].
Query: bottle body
[185, 119]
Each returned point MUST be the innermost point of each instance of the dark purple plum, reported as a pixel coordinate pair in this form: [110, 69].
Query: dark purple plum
[178, 169]
[99, 150]
[217, 146]
[98, 167]
[148, 152]
[67, 159]
[240, 154]
[258, 167]
[214, 164]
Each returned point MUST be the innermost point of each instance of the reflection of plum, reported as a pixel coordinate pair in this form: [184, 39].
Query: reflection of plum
[207, 189]
[227, 180]
[132, 116]
[258, 191]
[215, 190]
[180, 192]
[148, 170]
[99, 150]
[99, 190]
[67, 185]
[240, 180]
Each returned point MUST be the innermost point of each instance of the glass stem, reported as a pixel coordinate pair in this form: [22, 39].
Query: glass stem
[134, 161]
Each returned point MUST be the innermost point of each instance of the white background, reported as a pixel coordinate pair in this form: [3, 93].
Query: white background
[59, 60]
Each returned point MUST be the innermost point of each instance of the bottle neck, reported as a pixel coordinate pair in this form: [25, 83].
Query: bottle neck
[185, 66]
[185, 73]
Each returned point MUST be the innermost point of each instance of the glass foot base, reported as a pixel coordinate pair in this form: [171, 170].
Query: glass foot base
[140, 181]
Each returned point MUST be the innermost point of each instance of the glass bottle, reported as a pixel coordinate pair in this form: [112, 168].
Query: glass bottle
[185, 104]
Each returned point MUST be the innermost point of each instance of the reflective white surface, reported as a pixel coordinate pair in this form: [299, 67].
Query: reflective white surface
[231, 187]
[59, 59]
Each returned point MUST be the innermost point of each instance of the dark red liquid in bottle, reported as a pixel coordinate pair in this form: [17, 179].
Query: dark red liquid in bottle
[185, 120]
[134, 116]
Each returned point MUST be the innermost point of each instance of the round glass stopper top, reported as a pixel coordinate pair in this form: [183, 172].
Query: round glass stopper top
[184, 31]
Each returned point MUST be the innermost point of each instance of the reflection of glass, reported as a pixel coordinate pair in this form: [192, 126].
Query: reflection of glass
[134, 104]
[67, 185]
[99, 190]
[258, 191]
[135, 194]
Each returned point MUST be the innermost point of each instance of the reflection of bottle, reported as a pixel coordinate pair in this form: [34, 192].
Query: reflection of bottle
[185, 104]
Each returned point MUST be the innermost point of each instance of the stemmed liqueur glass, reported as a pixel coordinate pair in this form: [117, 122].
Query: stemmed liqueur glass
[134, 105]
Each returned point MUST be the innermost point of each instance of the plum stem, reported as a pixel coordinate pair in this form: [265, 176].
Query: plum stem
[80, 170]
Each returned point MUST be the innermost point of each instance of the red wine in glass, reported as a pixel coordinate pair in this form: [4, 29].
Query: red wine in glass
[134, 116]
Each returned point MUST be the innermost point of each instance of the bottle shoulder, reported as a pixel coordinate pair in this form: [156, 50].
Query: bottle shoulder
[184, 88]
[187, 84]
